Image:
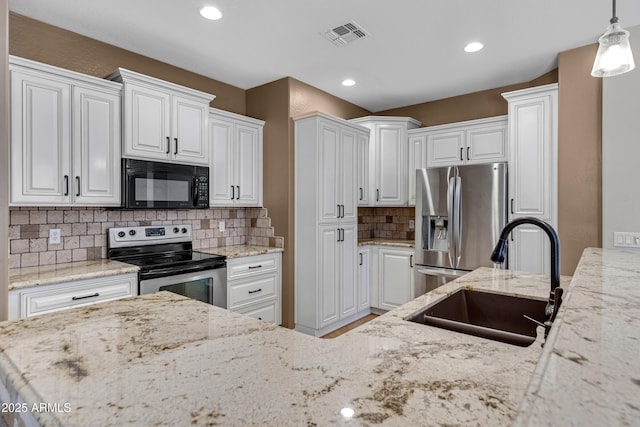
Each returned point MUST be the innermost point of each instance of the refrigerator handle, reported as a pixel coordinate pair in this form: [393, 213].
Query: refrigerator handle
[450, 211]
[458, 219]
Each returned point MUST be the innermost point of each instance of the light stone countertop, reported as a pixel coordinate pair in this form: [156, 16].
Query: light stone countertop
[589, 372]
[387, 242]
[239, 251]
[163, 359]
[28, 277]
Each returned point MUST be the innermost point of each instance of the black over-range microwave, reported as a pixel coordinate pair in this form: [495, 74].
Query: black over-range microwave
[157, 185]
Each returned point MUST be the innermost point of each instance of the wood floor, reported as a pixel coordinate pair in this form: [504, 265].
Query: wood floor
[350, 326]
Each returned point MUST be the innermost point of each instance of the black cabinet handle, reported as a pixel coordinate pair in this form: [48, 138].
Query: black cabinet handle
[85, 296]
[461, 150]
[176, 148]
[253, 267]
[468, 153]
[238, 195]
[78, 184]
[256, 291]
[233, 192]
[168, 145]
[66, 185]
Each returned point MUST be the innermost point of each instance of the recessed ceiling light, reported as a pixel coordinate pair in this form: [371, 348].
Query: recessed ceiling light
[211, 13]
[473, 47]
[348, 82]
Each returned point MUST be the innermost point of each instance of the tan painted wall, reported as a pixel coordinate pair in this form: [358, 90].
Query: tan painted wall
[579, 155]
[477, 105]
[45, 43]
[4, 157]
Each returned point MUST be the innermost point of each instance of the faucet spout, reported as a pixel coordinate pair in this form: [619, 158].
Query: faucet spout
[498, 256]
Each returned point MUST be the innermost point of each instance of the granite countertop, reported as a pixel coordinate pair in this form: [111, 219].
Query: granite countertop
[589, 373]
[28, 277]
[387, 242]
[239, 251]
[126, 362]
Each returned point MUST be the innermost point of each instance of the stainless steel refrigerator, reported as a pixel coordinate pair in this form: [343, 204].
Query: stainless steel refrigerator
[460, 211]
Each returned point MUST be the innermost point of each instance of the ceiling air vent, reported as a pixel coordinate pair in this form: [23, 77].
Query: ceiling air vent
[345, 34]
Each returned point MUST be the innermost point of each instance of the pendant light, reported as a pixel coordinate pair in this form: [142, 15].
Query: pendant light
[614, 55]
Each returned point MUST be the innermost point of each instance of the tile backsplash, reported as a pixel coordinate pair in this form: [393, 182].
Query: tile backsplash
[386, 223]
[84, 230]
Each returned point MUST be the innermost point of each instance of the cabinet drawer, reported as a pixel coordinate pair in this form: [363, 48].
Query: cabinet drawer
[265, 312]
[250, 266]
[77, 294]
[252, 291]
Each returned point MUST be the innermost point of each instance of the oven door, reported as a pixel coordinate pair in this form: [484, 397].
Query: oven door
[208, 286]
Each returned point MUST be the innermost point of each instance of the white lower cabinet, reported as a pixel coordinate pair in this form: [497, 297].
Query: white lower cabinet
[254, 286]
[394, 277]
[61, 296]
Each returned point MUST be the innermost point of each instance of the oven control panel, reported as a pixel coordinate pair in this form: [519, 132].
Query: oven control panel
[139, 236]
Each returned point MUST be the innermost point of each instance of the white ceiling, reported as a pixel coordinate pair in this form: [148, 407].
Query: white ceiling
[414, 52]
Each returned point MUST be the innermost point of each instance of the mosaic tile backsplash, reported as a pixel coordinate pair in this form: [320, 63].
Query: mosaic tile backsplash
[386, 223]
[84, 230]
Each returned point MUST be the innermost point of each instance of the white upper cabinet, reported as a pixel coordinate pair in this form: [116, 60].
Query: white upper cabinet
[455, 144]
[65, 137]
[163, 121]
[235, 160]
[533, 173]
[388, 158]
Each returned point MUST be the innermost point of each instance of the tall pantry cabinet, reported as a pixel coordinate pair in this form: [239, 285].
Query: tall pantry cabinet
[533, 173]
[326, 242]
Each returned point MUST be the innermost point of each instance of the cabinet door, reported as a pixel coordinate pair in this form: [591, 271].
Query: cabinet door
[417, 160]
[147, 123]
[530, 158]
[395, 277]
[529, 250]
[96, 147]
[348, 248]
[348, 180]
[248, 165]
[445, 148]
[40, 134]
[329, 275]
[364, 262]
[329, 171]
[363, 170]
[189, 124]
[390, 165]
[221, 185]
[486, 144]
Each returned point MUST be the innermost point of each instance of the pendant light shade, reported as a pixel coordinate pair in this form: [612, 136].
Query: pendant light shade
[614, 55]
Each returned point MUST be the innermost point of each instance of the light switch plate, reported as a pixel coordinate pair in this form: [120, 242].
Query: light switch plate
[221, 226]
[626, 239]
[54, 236]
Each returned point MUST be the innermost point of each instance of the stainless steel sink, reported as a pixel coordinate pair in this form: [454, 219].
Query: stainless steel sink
[485, 314]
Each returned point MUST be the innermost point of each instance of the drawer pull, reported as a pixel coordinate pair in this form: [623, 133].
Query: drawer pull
[85, 296]
[253, 267]
[257, 290]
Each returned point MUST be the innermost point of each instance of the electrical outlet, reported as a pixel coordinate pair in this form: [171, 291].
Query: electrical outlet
[54, 236]
[221, 226]
[412, 224]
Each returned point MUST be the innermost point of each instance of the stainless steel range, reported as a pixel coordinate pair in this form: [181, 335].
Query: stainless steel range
[168, 263]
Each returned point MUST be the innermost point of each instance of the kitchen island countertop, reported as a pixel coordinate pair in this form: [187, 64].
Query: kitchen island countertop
[163, 359]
